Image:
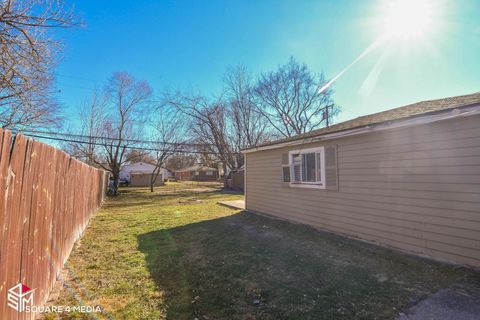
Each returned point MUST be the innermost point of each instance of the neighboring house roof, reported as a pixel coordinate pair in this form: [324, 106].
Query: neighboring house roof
[131, 164]
[197, 168]
[137, 166]
[405, 112]
[140, 164]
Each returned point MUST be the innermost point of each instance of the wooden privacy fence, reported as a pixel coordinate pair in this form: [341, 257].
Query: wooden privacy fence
[46, 201]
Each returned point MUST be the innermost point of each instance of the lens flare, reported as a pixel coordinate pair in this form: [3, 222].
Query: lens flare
[408, 18]
[402, 22]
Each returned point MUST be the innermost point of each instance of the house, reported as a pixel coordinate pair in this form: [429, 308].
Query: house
[407, 178]
[197, 173]
[138, 174]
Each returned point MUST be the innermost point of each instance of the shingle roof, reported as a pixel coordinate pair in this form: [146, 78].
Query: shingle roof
[408, 111]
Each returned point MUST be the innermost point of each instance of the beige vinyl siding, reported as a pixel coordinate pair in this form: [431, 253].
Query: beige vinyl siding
[416, 189]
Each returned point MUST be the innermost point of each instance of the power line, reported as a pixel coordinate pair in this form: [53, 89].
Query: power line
[92, 137]
[122, 146]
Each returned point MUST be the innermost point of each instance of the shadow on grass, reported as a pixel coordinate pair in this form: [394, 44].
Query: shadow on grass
[247, 266]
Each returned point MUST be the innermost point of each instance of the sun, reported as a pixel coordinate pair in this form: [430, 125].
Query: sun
[408, 18]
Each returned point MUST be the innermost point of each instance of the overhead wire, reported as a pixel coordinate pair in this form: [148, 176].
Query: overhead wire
[39, 136]
[81, 136]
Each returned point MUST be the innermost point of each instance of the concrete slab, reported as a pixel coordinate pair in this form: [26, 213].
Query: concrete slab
[459, 302]
[234, 204]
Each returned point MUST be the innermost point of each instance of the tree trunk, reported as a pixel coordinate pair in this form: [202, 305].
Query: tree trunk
[116, 179]
[153, 178]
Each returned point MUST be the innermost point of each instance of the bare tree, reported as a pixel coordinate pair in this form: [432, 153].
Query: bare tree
[114, 123]
[128, 97]
[27, 58]
[290, 99]
[223, 127]
[180, 160]
[168, 130]
[139, 155]
[249, 129]
[210, 127]
[92, 119]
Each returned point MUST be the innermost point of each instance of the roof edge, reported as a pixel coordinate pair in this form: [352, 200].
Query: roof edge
[424, 118]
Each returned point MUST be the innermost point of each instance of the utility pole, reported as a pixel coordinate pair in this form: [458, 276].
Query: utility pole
[326, 115]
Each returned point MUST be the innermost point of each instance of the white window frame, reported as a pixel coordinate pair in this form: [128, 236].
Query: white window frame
[209, 173]
[306, 184]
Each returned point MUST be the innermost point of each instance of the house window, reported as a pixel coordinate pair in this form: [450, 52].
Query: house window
[209, 173]
[307, 168]
[197, 173]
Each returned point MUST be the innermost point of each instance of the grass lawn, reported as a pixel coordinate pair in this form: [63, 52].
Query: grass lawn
[176, 254]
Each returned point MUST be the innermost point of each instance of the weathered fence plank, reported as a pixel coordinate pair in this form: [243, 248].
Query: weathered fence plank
[46, 200]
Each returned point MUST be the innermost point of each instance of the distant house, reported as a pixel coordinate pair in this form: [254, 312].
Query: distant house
[197, 173]
[407, 178]
[138, 174]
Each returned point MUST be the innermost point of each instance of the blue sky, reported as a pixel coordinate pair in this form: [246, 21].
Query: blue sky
[189, 44]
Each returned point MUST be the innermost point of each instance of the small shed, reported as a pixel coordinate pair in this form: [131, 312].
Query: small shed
[237, 179]
[141, 179]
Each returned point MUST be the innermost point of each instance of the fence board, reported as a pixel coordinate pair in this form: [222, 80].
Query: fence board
[4, 159]
[46, 200]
